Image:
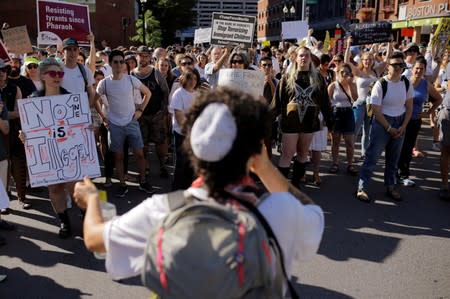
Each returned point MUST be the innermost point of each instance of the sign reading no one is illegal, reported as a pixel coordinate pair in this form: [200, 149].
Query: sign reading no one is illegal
[232, 29]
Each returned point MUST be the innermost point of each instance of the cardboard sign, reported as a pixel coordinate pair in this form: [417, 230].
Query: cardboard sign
[60, 20]
[4, 53]
[248, 81]
[294, 30]
[202, 36]
[59, 145]
[232, 29]
[371, 33]
[17, 41]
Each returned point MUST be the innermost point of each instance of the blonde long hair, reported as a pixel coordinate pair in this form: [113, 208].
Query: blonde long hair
[291, 76]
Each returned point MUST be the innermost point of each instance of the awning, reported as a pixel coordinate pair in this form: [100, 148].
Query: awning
[416, 23]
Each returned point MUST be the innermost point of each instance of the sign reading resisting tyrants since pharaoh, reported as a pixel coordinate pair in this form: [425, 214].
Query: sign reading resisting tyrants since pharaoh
[59, 144]
[232, 29]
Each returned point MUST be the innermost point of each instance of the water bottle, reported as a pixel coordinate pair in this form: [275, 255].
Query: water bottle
[108, 212]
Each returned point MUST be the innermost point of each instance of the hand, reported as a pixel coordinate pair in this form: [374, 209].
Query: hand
[105, 122]
[90, 37]
[22, 136]
[83, 191]
[137, 114]
[349, 41]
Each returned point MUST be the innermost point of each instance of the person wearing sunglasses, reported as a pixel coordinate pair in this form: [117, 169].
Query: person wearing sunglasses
[31, 71]
[51, 73]
[392, 112]
[238, 61]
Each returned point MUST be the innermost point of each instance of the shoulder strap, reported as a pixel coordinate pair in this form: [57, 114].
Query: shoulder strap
[270, 234]
[343, 89]
[83, 73]
[132, 85]
[177, 199]
[384, 86]
[406, 81]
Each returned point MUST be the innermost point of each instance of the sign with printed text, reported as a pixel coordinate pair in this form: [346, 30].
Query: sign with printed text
[294, 29]
[249, 81]
[232, 29]
[59, 20]
[202, 36]
[17, 41]
[59, 146]
[371, 33]
[4, 53]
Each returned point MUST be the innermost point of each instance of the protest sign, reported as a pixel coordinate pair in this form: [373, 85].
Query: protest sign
[266, 43]
[249, 81]
[59, 145]
[60, 20]
[4, 53]
[232, 29]
[441, 35]
[294, 30]
[202, 36]
[17, 41]
[370, 33]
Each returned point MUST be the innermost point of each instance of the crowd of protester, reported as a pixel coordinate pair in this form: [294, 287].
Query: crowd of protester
[142, 95]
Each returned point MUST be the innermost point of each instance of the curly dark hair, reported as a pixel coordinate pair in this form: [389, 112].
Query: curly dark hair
[253, 124]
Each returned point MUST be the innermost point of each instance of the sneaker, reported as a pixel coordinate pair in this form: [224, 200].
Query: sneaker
[65, 231]
[362, 195]
[5, 211]
[436, 146]
[408, 182]
[107, 183]
[146, 187]
[4, 225]
[122, 190]
[26, 205]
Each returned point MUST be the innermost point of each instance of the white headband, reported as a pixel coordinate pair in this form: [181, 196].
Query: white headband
[213, 133]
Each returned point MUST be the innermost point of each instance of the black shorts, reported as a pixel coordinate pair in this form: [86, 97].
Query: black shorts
[344, 120]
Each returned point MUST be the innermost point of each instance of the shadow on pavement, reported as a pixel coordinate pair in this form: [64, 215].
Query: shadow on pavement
[309, 291]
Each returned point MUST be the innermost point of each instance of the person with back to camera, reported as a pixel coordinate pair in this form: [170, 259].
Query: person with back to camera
[224, 130]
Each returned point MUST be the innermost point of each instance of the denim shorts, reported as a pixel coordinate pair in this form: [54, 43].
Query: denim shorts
[344, 120]
[118, 134]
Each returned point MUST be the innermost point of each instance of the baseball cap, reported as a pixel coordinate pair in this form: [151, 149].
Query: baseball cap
[143, 49]
[30, 60]
[411, 47]
[69, 42]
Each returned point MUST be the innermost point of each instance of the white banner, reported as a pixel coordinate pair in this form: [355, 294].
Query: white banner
[59, 145]
[294, 29]
[202, 36]
[249, 81]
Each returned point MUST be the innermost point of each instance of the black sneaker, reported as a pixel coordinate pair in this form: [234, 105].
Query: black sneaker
[146, 187]
[122, 190]
[5, 211]
[65, 231]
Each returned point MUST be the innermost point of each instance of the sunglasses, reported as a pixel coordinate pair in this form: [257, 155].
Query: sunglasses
[32, 66]
[398, 65]
[55, 74]
[185, 63]
[237, 61]
[266, 64]
[118, 61]
[337, 60]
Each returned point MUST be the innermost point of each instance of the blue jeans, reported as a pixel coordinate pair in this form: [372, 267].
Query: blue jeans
[362, 121]
[381, 140]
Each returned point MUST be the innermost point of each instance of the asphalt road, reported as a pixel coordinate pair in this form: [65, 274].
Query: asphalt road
[378, 250]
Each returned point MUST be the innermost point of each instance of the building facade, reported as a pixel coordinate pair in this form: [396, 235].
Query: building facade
[205, 8]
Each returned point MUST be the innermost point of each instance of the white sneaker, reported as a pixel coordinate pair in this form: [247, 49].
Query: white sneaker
[408, 183]
[436, 146]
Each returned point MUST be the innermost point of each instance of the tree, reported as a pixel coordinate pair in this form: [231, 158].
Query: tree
[173, 15]
[152, 30]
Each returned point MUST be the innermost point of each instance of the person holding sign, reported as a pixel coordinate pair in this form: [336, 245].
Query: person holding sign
[299, 97]
[51, 72]
[218, 59]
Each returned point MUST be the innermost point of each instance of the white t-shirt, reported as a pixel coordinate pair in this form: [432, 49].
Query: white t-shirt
[181, 100]
[73, 80]
[120, 95]
[298, 229]
[211, 76]
[393, 103]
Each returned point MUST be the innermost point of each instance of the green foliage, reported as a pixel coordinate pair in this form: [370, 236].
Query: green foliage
[152, 32]
[173, 15]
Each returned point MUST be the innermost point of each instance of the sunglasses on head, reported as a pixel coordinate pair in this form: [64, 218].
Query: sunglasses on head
[32, 66]
[346, 74]
[185, 63]
[118, 61]
[237, 62]
[55, 74]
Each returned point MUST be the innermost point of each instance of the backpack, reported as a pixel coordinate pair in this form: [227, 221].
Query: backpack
[384, 86]
[205, 243]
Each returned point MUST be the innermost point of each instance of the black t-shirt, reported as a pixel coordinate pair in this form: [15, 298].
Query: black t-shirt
[156, 102]
[26, 85]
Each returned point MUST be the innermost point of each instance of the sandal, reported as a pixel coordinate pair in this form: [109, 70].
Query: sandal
[316, 180]
[362, 196]
[334, 168]
[393, 194]
[351, 170]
